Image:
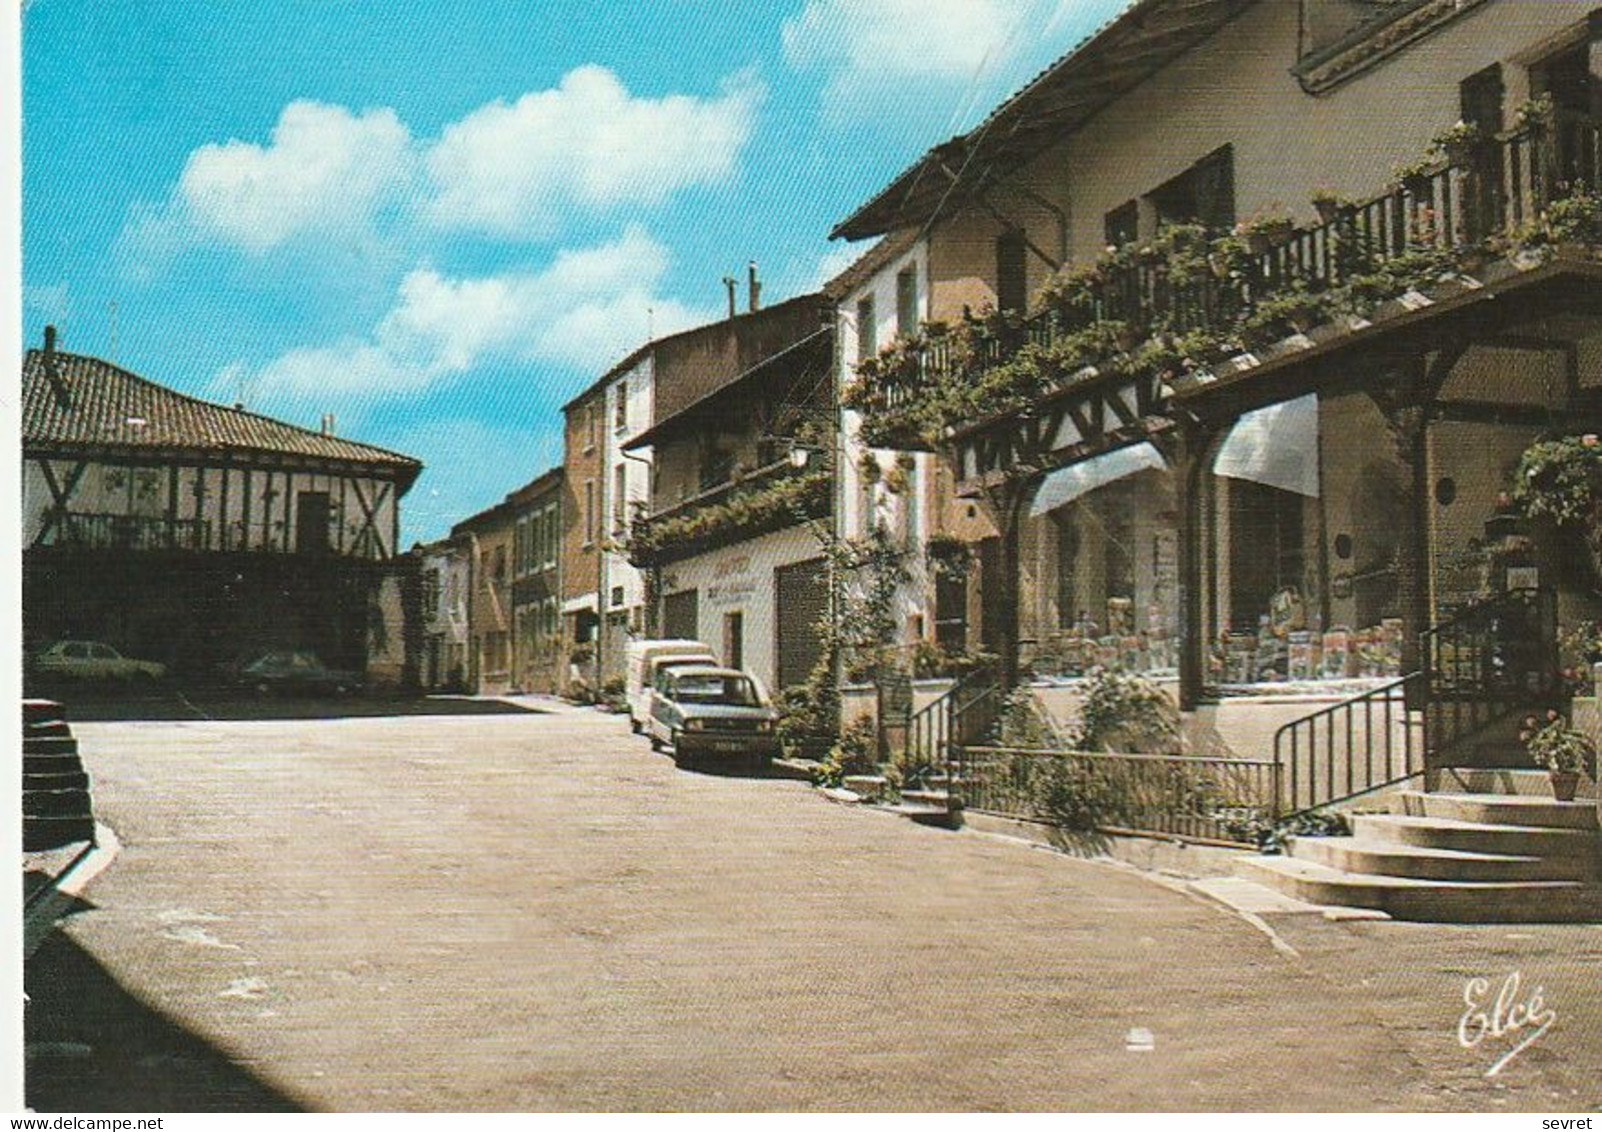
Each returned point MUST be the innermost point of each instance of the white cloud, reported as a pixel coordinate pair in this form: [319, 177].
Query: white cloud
[583, 310]
[835, 260]
[864, 47]
[585, 147]
[324, 170]
[511, 169]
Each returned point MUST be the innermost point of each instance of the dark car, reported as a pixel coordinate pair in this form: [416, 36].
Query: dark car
[296, 671]
[701, 710]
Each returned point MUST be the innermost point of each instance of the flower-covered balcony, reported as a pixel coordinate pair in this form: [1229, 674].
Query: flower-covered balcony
[1115, 338]
[770, 498]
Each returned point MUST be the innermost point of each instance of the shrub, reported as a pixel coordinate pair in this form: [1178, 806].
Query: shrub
[855, 752]
[1127, 714]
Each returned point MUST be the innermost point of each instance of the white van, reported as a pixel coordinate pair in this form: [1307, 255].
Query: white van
[649, 657]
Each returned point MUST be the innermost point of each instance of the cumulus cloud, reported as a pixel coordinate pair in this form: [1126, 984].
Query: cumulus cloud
[584, 309]
[864, 47]
[585, 147]
[512, 168]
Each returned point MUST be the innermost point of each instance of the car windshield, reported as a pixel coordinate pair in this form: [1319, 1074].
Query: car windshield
[735, 690]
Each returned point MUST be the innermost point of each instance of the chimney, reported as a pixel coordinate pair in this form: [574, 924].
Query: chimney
[52, 371]
[328, 424]
[755, 287]
[728, 281]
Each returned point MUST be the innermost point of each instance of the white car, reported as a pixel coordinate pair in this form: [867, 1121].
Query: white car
[649, 658]
[94, 660]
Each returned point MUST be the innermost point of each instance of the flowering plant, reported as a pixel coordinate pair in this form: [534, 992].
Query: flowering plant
[1560, 479]
[1556, 745]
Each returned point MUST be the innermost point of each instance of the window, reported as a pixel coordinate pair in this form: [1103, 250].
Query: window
[589, 427]
[734, 639]
[911, 508]
[589, 512]
[1203, 194]
[1481, 98]
[617, 596]
[620, 499]
[1012, 271]
[907, 302]
[867, 329]
[620, 411]
[1268, 551]
[550, 537]
[1123, 224]
[499, 569]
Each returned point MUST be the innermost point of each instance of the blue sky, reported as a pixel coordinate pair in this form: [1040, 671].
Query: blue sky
[438, 220]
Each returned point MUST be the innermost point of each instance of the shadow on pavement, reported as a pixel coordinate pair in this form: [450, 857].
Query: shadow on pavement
[94, 1047]
[171, 704]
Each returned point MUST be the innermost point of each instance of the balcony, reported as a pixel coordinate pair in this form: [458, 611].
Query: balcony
[131, 532]
[768, 499]
[1189, 300]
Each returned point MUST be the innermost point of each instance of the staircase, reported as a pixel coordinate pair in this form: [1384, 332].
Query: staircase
[1499, 850]
[56, 809]
[963, 715]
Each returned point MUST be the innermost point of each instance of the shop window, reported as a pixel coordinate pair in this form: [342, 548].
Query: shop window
[1268, 554]
[1203, 194]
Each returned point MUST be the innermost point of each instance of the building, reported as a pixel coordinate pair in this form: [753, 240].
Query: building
[488, 542]
[740, 509]
[603, 593]
[539, 661]
[187, 532]
[1284, 294]
[446, 578]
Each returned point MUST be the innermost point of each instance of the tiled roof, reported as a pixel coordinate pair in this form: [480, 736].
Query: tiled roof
[870, 263]
[105, 404]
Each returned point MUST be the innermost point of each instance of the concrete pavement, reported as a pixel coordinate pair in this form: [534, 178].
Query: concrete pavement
[535, 912]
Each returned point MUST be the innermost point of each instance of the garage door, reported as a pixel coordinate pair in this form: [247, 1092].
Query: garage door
[681, 615]
[803, 600]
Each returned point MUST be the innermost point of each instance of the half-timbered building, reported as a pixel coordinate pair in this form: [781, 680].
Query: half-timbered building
[189, 532]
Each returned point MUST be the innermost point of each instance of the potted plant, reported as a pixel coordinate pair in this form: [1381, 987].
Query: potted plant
[1265, 233]
[1461, 144]
[1563, 751]
[1561, 480]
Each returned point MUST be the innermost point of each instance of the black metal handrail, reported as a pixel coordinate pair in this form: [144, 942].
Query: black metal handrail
[1490, 661]
[955, 716]
[1352, 748]
[1191, 797]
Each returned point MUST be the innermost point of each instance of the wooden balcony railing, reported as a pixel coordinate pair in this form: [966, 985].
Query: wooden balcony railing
[767, 499]
[1454, 205]
[132, 532]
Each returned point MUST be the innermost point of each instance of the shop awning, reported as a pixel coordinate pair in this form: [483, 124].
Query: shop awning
[1067, 484]
[1276, 446]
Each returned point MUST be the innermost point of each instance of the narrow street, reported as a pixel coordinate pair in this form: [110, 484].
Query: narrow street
[521, 910]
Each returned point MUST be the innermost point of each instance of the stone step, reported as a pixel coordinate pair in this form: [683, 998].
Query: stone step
[1502, 780]
[52, 764]
[1498, 809]
[1408, 898]
[869, 786]
[1473, 837]
[71, 781]
[49, 745]
[1350, 855]
[935, 799]
[40, 833]
[56, 804]
[928, 815]
[42, 711]
[55, 728]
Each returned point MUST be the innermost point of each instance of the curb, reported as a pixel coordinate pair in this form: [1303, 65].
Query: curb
[59, 892]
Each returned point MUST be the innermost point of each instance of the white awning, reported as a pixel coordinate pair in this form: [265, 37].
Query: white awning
[580, 604]
[1067, 484]
[1277, 446]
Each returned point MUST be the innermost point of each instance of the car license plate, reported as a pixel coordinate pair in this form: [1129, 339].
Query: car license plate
[728, 745]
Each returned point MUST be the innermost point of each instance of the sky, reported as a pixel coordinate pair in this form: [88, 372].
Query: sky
[439, 221]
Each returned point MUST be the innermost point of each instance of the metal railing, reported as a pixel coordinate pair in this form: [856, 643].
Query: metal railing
[131, 532]
[1352, 748]
[962, 713]
[1457, 203]
[1188, 797]
[1490, 661]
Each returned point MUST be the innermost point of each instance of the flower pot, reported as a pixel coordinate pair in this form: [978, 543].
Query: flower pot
[1564, 783]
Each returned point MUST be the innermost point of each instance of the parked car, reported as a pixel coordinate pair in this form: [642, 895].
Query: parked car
[706, 710]
[93, 660]
[296, 670]
[647, 659]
